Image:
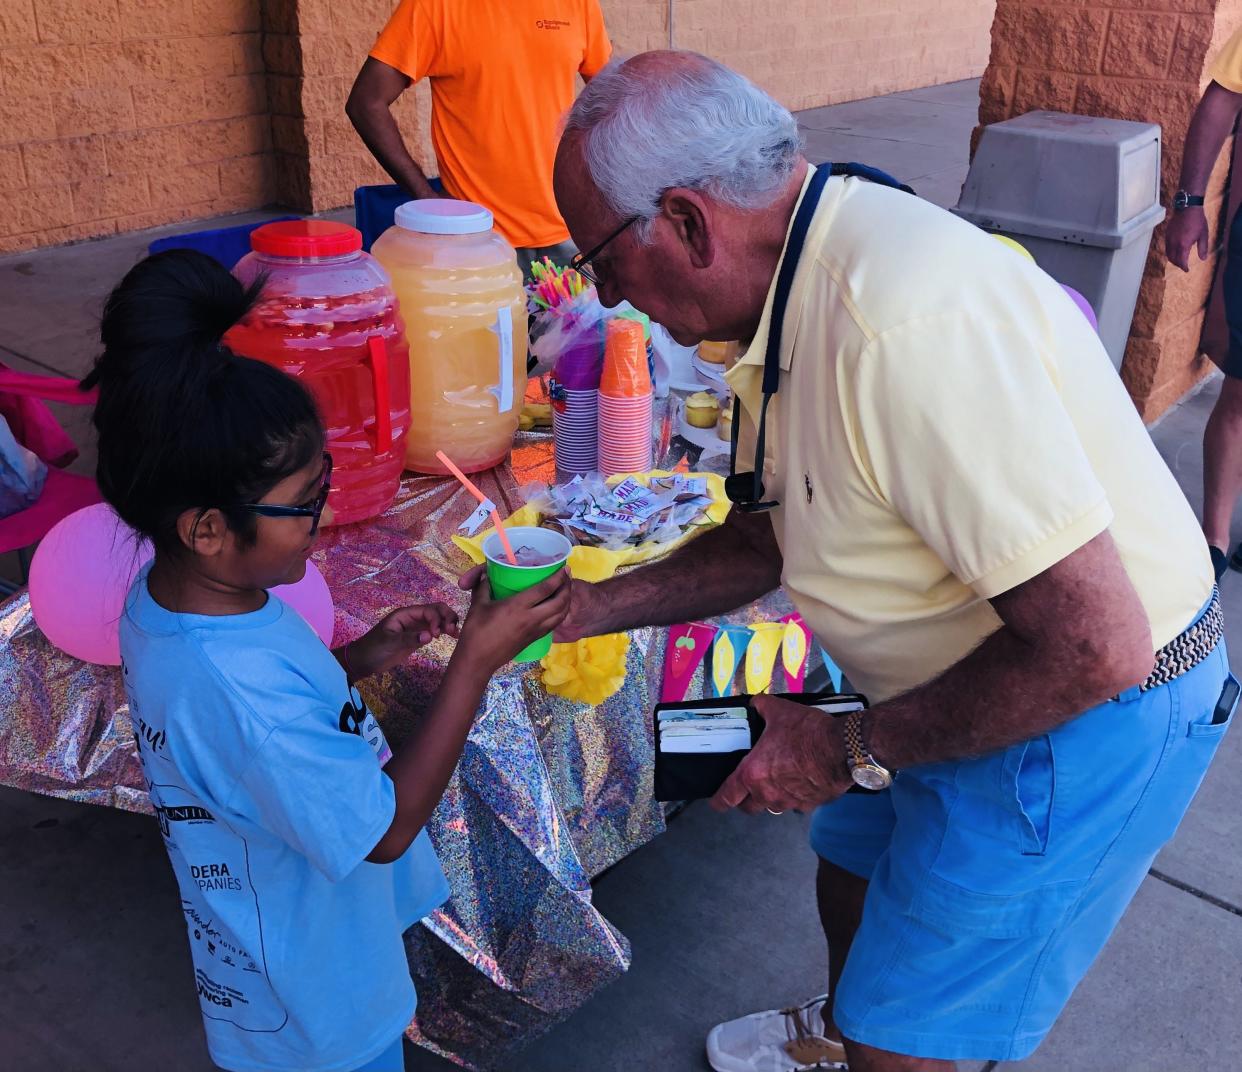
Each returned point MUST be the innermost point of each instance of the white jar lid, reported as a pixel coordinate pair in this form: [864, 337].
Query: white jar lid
[439, 215]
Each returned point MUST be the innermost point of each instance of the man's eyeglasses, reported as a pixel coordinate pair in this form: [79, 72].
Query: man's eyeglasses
[313, 510]
[581, 262]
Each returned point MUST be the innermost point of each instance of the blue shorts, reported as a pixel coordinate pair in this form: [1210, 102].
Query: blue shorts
[391, 1060]
[995, 882]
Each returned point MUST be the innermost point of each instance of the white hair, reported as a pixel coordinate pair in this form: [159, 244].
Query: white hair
[695, 124]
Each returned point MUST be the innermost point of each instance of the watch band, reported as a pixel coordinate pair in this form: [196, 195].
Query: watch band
[855, 749]
[1183, 200]
[864, 769]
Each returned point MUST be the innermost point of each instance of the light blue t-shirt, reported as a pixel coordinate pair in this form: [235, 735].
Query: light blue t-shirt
[263, 767]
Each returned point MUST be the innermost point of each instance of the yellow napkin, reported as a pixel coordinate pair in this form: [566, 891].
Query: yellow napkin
[596, 563]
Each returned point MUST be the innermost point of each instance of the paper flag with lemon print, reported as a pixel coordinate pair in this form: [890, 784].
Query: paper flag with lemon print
[795, 649]
[761, 655]
[687, 646]
[727, 651]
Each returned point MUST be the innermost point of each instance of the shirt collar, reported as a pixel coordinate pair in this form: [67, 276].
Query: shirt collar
[755, 350]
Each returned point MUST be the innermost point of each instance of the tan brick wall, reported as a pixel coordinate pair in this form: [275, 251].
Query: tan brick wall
[119, 114]
[805, 52]
[1126, 59]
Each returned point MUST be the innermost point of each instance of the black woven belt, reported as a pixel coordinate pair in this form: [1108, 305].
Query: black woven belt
[1188, 649]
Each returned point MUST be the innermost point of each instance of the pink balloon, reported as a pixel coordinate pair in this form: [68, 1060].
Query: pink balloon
[311, 599]
[1082, 304]
[84, 568]
[78, 581]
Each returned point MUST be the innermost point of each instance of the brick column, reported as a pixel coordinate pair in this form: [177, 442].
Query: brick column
[1126, 59]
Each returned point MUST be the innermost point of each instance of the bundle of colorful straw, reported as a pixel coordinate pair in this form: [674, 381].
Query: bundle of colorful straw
[553, 286]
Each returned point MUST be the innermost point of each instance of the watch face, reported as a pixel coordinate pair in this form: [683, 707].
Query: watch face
[871, 777]
[1180, 200]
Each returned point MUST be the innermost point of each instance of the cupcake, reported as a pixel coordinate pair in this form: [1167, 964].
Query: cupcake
[713, 353]
[724, 426]
[702, 410]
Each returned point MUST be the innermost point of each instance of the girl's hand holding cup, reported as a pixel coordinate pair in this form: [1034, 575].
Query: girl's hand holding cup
[495, 630]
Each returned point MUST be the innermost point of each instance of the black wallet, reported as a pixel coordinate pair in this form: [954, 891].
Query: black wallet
[695, 774]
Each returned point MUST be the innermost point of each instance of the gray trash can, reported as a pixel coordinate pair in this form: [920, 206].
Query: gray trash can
[1083, 195]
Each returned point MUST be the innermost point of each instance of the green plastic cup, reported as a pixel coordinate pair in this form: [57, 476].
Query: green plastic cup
[507, 580]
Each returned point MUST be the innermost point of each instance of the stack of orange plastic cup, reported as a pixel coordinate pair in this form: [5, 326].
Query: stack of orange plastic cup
[624, 430]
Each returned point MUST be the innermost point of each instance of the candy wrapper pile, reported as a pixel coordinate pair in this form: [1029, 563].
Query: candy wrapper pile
[627, 514]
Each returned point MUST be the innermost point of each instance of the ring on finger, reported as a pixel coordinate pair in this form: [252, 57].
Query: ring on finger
[771, 812]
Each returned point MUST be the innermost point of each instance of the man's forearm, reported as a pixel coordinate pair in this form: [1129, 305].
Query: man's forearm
[378, 129]
[1002, 693]
[1072, 638]
[1214, 118]
[720, 571]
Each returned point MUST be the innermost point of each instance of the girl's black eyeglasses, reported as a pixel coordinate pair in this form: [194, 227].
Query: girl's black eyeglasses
[313, 511]
[581, 262]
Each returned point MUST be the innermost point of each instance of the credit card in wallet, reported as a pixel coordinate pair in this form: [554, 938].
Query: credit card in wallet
[733, 740]
[688, 714]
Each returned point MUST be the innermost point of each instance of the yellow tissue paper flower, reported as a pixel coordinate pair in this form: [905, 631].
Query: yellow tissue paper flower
[587, 671]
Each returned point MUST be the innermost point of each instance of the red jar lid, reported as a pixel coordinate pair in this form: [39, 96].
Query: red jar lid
[306, 238]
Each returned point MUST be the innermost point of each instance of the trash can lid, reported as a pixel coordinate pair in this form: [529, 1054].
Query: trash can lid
[1079, 179]
[306, 238]
[441, 215]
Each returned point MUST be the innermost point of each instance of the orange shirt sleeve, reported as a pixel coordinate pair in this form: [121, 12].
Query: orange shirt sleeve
[411, 40]
[598, 49]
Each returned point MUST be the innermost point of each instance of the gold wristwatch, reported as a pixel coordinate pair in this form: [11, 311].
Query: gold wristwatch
[865, 771]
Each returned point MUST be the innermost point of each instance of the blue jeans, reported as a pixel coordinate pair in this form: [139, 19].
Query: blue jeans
[995, 882]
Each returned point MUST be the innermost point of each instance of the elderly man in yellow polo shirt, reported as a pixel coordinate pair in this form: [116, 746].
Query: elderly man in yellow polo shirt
[956, 492]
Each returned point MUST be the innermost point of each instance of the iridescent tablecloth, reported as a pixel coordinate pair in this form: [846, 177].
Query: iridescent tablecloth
[548, 793]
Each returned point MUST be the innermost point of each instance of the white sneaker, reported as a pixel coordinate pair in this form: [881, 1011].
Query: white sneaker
[780, 1040]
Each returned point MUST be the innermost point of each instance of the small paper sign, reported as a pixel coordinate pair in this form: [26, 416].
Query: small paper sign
[476, 521]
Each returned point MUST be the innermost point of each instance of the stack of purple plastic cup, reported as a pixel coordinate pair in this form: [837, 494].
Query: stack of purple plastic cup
[574, 387]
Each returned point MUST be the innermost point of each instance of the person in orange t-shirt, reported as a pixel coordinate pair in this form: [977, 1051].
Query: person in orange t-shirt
[503, 73]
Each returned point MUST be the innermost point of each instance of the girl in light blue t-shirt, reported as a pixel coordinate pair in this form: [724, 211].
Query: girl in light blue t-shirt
[295, 834]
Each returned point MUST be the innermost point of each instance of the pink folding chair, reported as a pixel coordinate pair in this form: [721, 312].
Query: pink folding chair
[22, 398]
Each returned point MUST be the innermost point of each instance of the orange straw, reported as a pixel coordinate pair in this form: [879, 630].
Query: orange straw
[468, 484]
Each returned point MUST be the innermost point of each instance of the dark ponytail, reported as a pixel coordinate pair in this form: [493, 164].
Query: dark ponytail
[184, 423]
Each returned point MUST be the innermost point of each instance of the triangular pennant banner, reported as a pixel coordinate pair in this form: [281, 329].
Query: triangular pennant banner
[834, 671]
[795, 647]
[687, 646]
[727, 651]
[761, 655]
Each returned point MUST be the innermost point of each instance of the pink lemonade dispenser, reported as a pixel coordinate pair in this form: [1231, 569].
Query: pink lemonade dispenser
[328, 316]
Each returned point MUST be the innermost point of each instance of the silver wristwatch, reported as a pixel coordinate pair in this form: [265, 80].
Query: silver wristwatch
[864, 769]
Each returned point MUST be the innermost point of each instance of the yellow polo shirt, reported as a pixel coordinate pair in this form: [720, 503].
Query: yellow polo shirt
[1226, 69]
[948, 426]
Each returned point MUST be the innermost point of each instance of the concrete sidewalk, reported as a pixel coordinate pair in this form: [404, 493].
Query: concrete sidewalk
[94, 968]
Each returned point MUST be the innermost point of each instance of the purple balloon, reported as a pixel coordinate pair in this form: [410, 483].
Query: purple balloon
[1082, 304]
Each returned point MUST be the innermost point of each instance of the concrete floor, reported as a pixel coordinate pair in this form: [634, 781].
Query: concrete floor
[94, 968]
